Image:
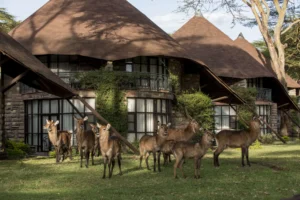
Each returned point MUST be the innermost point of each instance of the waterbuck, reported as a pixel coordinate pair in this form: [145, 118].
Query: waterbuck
[97, 143]
[237, 139]
[61, 140]
[166, 150]
[182, 135]
[110, 148]
[153, 144]
[85, 141]
[183, 150]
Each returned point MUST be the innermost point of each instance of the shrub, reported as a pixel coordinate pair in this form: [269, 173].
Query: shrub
[52, 154]
[256, 145]
[199, 106]
[17, 150]
[267, 139]
[286, 138]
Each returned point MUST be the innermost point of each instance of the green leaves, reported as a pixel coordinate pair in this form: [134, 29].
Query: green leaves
[7, 21]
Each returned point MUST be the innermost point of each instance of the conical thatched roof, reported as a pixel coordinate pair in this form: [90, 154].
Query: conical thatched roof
[38, 75]
[280, 94]
[103, 29]
[217, 50]
[291, 83]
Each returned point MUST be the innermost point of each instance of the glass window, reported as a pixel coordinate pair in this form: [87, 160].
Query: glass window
[149, 103]
[140, 105]
[225, 118]
[129, 67]
[131, 105]
[48, 109]
[140, 122]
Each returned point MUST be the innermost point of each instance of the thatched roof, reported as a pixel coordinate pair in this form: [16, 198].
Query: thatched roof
[217, 50]
[38, 76]
[103, 29]
[280, 95]
[106, 29]
[291, 83]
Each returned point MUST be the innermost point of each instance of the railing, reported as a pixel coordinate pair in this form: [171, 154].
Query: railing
[264, 94]
[135, 81]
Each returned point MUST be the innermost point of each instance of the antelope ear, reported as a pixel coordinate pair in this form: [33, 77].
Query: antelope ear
[57, 122]
[92, 125]
[99, 125]
[75, 118]
[47, 121]
[108, 127]
[169, 125]
[85, 118]
[158, 124]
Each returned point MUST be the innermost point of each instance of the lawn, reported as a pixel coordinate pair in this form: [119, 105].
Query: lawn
[275, 174]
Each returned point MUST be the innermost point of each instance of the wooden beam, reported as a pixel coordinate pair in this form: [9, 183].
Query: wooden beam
[74, 107]
[14, 81]
[105, 121]
[220, 98]
[283, 105]
[289, 116]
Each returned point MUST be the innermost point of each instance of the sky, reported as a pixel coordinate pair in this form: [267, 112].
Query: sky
[161, 12]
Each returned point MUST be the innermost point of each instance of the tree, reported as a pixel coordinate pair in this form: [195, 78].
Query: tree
[7, 21]
[292, 51]
[273, 17]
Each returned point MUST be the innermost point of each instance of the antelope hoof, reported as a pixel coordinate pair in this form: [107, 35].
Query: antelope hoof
[184, 177]
[86, 166]
[249, 165]
[103, 177]
[176, 177]
[120, 173]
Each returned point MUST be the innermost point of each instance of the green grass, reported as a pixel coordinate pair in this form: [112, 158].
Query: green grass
[275, 175]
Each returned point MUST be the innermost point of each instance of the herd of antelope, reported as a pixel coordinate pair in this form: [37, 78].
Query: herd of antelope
[167, 141]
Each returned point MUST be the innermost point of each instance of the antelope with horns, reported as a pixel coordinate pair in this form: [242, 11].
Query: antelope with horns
[97, 142]
[110, 148]
[182, 135]
[183, 150]
[85, 141]
[236, 139]
[153, 144]
[61, 140]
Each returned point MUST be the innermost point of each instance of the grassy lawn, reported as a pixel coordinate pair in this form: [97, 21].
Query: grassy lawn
[275, 174]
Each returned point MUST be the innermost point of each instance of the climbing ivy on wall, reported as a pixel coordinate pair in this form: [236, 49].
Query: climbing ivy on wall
[110, 96]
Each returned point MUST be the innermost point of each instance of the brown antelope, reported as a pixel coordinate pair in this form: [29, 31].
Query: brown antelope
[183, 135]
[186, 134]
[97, 143]
[153, 144]
[237, 139]
[166, 150]
[110, 148]
[61, 140]
[85, 141]
[183, 150]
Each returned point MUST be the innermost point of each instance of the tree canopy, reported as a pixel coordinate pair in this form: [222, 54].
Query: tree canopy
[7, 21]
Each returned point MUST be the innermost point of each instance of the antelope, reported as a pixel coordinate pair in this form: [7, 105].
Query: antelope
[153, 144]
[61, 140]
[85, 141]
[166, 150]
[236, 139]
[183, 150]
[110, 148]
[97, 143]
[182, 135]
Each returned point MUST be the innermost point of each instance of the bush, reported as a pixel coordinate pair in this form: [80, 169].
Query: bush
[256, 145]
[199, 106]
[267, 139]
[52, 154]
[286, 138]
[17, 150]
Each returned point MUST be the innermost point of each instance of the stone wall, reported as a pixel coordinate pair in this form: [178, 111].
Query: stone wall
[14, 113]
